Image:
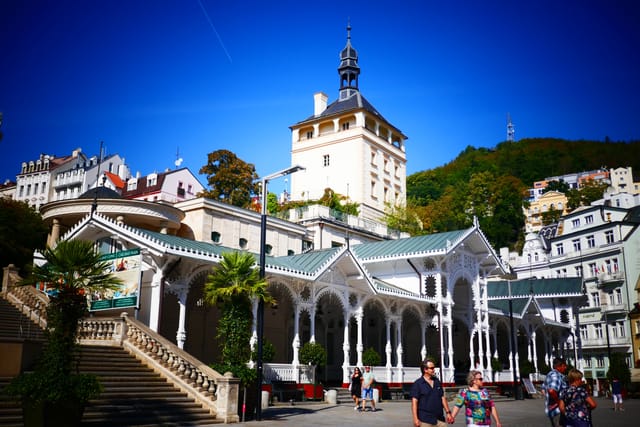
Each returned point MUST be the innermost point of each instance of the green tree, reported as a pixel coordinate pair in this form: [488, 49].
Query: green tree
[231, 286]
[404, 219]
[338, 202]
[559, 186]
[71, 270]
[230, 179]
[618, 369]
[22, 231]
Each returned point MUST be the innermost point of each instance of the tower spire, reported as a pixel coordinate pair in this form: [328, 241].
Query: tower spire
[348, 69]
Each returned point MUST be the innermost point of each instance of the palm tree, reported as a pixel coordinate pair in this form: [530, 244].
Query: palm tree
[232, 285]
[72, 268]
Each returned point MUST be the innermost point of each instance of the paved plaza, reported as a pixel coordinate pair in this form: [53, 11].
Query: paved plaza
[522, 413]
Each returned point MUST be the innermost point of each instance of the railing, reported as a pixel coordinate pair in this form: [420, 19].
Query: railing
[218, 393]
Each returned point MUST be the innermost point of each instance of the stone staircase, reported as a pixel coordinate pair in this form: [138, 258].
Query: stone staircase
[134, 394]
[147, 381]
[16, 326]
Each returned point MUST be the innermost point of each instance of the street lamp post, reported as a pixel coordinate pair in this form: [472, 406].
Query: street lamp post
[260, 315]
[517, 392]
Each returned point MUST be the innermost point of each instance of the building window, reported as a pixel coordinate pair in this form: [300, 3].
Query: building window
[373, 190]
[325, 160]
[44, 186]
[242, 243]
[609, 236]
[584, 332]
[593, 270]
[215, 237]
[190, 189]
[600, 359]
[345, 126]
[307, 245]
[576, 245]
[386, 165]
[595, 299]
[597, 329]
[21, 191]
[588, 219]
[559, 249]
[309, 134]
[578, 270]
[587, 362]
[591, 241]
[268, 249]
[290, 252]
[576, 223]
[28, 190]
[373, 158]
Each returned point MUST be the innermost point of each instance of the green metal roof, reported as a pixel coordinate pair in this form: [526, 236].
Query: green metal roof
[309, 263]
[410, 246]
[183, 244]
[519, 305]
[539, 287]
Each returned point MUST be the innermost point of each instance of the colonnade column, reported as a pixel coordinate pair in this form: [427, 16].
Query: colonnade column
[387, 346]
[346, 347]
[359, 345]
[295, 345]
[423, 346]
[534, 349]
[399, 350]
[312, 314]
[181, 334]
[156, 299]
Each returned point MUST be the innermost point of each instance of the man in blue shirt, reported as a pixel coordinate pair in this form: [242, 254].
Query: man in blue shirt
[428, 400]
[553, 384]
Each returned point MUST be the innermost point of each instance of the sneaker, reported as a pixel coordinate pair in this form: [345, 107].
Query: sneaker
[373, 410]
[355, 408]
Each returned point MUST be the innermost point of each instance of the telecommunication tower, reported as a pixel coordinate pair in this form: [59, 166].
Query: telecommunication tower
[511, 130]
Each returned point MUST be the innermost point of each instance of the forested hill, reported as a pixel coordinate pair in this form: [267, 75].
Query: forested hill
[491, 183]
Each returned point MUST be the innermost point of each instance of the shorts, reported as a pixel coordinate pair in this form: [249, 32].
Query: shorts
[367, 394]
[617, 398]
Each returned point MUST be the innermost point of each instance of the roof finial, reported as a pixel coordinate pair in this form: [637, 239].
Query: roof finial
[348, 29]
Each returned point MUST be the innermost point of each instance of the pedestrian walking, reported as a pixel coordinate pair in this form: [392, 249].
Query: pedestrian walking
[479, 407]
[554, 383]
[575, 403]
[616, 394]
[367, 388]
[355, 387]
[428, 403]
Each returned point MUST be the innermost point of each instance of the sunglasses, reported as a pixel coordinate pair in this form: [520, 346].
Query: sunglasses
[430, 367]
[479, 379]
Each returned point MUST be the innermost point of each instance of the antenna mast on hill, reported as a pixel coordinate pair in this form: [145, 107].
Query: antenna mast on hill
[511, 130]
[178, 161]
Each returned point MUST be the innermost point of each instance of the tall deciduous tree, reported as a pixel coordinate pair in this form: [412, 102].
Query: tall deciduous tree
[231, 180]
[22, 231]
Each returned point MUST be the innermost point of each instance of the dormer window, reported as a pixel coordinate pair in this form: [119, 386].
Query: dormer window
[152, 180]
[215, 237]
[242, 243]
[132, 184]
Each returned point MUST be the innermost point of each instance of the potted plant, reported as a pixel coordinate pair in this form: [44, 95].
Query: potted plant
[496, 366]
[313, 354]
[55, 394]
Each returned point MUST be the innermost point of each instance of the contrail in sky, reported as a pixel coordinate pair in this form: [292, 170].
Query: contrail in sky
[214, 30]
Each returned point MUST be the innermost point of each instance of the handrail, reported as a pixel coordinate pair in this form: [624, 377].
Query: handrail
[214, 391]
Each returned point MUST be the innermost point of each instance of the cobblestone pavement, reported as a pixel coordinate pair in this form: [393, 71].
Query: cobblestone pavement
[521, 413]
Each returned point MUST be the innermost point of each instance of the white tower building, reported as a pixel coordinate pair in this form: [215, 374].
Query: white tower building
[350, 147]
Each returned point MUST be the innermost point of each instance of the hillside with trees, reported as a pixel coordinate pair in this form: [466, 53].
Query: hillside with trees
[492, 183]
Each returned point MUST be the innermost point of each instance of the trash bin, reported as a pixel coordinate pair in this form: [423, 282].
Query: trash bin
[332, 397]
[265, 399]
[376, 395]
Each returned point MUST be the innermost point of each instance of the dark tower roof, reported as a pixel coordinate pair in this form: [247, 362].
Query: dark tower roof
[348, 69]
[102, 193]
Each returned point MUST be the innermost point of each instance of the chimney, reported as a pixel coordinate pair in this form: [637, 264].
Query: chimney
[319, 103]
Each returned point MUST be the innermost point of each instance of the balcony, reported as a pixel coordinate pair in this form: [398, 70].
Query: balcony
[614, 308]
[610, 279]
[593, 343]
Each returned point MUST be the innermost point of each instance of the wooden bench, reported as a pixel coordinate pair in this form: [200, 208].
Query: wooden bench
[285, 391]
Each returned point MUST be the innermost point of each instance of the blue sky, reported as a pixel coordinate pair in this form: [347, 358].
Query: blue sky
[153, 77]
